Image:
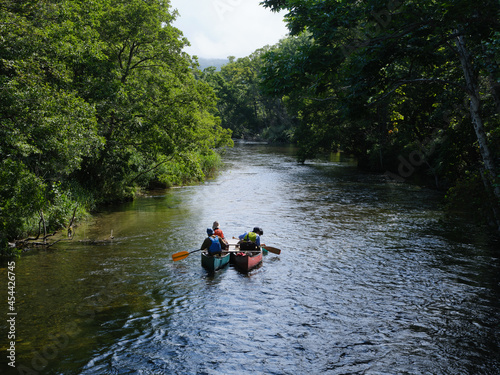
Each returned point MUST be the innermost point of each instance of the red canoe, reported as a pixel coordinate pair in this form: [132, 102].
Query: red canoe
[246, 260]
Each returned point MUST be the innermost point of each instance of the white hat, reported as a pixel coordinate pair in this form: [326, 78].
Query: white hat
[215, 225]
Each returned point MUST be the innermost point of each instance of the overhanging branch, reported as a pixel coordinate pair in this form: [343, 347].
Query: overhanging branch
[152, 168]
[404, 82]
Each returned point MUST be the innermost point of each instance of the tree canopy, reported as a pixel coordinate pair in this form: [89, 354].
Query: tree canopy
[97, 99]
[410, 88]
[244, 108]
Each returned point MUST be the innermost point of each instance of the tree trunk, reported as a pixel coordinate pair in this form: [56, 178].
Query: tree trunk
[472, 87]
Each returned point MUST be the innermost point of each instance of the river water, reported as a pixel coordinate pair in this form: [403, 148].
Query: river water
[373, 278]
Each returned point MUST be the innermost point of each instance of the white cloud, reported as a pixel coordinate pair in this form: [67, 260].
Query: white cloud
[221, 28]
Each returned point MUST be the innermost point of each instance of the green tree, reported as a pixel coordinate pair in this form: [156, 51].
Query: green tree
[152, 110]
[243, 105]
[97, 100]
[45, 129]
[379, 59]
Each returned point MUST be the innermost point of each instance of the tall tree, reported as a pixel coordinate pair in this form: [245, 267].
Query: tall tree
[97, 97]
[151, 108]
[46, 129]
[369, 54]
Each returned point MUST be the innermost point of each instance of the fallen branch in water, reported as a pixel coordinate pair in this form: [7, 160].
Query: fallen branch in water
[30, 240]
[35, 241]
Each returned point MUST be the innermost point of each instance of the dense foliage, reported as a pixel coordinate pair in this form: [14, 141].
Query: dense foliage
[97, 99]
[243, 106]
[410, 88]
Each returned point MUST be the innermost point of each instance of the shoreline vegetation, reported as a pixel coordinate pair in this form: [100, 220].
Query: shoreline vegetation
[42, 234]
[99, 102]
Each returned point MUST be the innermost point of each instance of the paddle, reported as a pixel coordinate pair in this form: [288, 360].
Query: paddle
[271, 249]
[183, 254]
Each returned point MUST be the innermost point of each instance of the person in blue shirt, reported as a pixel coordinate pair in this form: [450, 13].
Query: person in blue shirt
[251, 240]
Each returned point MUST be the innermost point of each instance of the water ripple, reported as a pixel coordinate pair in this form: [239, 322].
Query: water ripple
[372, 279]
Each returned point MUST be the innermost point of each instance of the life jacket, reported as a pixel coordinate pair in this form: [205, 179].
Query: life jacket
[248, 242]
[251, 236]
[215, 246]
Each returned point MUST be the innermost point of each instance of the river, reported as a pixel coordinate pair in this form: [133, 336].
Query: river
[373, 278]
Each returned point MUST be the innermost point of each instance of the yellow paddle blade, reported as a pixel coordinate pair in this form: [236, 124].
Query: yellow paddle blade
[180, 255]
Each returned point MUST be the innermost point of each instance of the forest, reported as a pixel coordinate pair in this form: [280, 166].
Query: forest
[98, 101]
[411, 89]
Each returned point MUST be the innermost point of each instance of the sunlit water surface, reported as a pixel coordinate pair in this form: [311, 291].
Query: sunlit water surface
[373, 278]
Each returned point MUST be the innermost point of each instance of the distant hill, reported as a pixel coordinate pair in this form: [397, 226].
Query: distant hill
[205, 63]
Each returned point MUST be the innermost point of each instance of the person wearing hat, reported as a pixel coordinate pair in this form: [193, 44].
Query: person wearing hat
[218, 232]
[212, 243]
[251, 240]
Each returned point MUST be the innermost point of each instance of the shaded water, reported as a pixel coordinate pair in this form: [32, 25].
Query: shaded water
[372, 279]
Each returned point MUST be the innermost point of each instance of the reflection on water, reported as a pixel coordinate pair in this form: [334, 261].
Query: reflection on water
[372, 279]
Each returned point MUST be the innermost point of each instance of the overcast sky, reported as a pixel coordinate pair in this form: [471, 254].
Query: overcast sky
[222, 28]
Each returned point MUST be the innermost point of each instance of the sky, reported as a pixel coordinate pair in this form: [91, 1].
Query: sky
[222, 28]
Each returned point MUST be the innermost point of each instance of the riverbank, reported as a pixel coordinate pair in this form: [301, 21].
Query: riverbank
[72, 203]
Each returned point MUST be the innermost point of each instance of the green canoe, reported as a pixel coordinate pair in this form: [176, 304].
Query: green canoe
[213, 263]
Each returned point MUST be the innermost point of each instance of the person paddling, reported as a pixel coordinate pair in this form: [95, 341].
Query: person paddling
[212, 243]
[251, 240]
